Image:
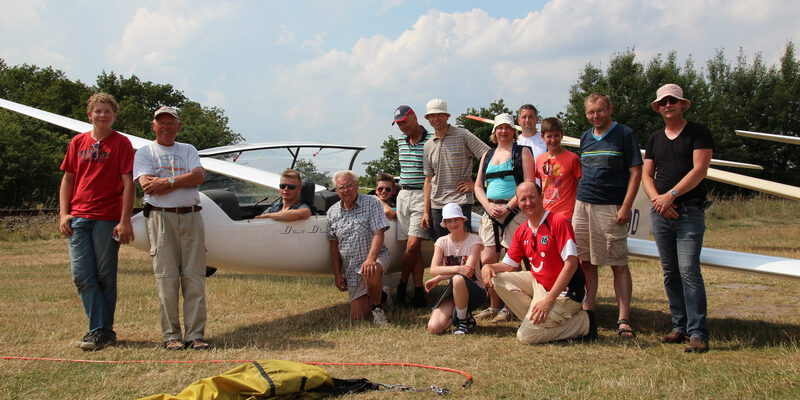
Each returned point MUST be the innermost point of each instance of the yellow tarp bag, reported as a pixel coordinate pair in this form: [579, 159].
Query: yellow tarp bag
[269, 379]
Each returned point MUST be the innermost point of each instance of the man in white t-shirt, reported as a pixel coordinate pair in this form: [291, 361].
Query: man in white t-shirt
[527, 118]
[169, 173]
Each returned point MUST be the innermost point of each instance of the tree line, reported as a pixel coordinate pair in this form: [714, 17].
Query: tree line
[726, 96]
[744, 94]
[32, 150]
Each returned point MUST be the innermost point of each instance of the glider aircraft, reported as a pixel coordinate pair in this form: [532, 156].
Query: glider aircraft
[236, 241]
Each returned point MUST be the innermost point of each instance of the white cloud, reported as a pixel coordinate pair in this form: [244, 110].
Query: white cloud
[388, 5]
[20, 13]
[471, 58]
[156, 38]
[286, 37]
[317, 42]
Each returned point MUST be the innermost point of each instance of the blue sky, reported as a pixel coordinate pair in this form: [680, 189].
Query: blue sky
[334, 71]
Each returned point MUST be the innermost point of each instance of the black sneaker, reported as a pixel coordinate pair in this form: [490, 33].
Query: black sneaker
[83, 340]
[99, 339]
[400, 296]
[420, 301]
[463, 327]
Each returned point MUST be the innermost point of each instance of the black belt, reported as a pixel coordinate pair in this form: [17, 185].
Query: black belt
[498, 201]
[177, 210]
[406, 187]
[691, 203]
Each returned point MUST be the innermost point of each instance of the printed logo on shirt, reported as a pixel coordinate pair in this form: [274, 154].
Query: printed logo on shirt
[545, 239]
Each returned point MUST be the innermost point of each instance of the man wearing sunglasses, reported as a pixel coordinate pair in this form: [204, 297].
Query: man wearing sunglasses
[676, 162]
[169, 173]
[289, 208]
[384, 191]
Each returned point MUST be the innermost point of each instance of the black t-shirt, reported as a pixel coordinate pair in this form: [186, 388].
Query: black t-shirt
[673, 158]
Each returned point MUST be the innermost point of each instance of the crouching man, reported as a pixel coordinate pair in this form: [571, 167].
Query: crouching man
[548, 298]
[355, 229]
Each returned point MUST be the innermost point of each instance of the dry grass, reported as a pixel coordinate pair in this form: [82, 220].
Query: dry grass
[754, 322]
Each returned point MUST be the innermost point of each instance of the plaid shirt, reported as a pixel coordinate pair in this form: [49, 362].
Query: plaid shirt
[354, 229]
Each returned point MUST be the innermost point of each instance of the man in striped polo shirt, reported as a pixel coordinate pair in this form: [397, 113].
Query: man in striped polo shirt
[410, 202]
[447, 164]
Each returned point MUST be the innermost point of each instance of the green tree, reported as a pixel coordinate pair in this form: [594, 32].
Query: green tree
[481, 129]
[388, 163]
[309, 171]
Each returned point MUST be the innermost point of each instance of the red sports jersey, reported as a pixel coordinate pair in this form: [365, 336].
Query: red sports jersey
[98, 169]
[554, 241]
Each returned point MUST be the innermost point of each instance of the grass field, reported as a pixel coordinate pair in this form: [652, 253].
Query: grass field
[754, 321]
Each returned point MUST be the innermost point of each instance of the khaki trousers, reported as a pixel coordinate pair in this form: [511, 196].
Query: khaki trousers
[178, 251]
[520, 291]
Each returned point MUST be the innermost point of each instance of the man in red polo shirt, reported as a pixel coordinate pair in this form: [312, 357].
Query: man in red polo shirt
[548, 298]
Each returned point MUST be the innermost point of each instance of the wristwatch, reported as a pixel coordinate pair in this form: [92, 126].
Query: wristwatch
[171, 181]
[674, 193]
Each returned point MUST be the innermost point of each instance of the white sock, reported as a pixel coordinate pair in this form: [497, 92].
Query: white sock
[461, 313]
[494, 310]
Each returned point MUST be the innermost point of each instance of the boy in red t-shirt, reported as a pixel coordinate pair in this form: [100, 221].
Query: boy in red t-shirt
[95, 201]
[558, 170]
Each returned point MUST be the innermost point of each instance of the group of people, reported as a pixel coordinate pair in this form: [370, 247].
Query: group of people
[558, 216]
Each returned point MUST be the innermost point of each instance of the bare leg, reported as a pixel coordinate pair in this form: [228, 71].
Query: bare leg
[360, 308]
[623, 289]
[441, 317]
[590, 272]
[375, 287]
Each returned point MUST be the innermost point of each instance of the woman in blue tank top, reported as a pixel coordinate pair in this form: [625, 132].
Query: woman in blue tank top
[498, 198]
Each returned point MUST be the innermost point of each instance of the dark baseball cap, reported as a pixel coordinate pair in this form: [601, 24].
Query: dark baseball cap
[401, 113]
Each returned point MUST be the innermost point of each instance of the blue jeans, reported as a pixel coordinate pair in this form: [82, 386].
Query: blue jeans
[679, 242]
[93, 254]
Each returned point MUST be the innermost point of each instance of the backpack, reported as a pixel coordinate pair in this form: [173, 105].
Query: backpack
[516, 165]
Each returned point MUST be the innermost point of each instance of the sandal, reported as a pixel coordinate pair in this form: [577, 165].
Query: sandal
[198, 344]
[625, 332]
[173, 344]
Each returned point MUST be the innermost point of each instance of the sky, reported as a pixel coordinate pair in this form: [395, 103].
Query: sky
[334, 71]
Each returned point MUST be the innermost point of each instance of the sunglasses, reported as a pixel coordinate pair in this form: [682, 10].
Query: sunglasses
[287, 186]
[345, 187]
[383, 189]
[668, 99]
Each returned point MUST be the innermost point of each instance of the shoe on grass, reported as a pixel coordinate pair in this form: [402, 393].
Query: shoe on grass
[674, 337]
[503, 316]
[84, 339]
[98, 340]
[174, 344]
[379, 317]
[486, 315]
[462, 327]
[198, 344]
[697, 345]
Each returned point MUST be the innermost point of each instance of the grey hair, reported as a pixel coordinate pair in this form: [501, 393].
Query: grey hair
[342, 173]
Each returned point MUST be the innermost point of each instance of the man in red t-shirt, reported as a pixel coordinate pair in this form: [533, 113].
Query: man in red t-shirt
[95, 201]
[548, 298]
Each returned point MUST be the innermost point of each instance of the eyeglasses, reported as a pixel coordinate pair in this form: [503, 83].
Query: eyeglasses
[345, 187]
[668, 99]
[287, 186]
[383, 189]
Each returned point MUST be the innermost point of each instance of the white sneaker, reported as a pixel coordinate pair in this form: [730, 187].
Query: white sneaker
[379, 317]
[486, 315]
[504, 316]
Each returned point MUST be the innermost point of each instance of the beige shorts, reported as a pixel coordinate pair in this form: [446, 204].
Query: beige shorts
[361, 287]
[410, 207]
[600, 239]
[487, 232]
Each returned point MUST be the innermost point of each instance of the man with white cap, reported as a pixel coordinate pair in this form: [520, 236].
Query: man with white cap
[411, 202]
[548, 297]
[676, 162]
[447, 164]
[169, 173]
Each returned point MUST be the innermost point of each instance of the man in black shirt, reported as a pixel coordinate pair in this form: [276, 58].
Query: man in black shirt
[676, 162]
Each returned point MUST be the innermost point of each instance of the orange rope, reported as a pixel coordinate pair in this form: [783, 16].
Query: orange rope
[467, 375]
